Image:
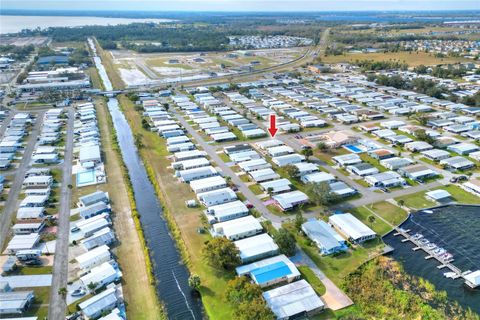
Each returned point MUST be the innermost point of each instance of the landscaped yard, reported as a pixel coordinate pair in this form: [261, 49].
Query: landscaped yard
[256, 189]
[390, 212]
[416, 200]
[379, 226]
[337, 267]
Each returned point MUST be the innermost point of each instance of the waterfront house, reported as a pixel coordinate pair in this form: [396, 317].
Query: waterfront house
[352, 228]
[327, 239]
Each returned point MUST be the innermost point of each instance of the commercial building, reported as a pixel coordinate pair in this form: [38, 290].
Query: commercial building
[352, 228]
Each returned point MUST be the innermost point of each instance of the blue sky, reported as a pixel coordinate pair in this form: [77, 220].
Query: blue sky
[242, 5]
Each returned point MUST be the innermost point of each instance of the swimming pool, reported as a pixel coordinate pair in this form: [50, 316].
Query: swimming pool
[85, 177]
[353, 148]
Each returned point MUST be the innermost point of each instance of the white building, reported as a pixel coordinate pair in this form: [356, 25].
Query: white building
[238, 228]
[352, 228]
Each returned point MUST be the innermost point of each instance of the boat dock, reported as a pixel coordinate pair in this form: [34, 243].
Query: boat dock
[444, 263]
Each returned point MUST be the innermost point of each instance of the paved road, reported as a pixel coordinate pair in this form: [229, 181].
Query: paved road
[56, 309]
[12, 200]
[335, 298]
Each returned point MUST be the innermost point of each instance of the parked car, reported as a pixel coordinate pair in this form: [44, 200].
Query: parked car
[78, 292]
[33, 262]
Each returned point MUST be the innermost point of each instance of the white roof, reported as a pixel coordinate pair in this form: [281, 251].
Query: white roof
[227, 209]
[473, 277]
[277, 185]
[317, 177]
[292, 299]
[23, 241]
[89, 153]
[93, 255]
[97, 303]
[351, 226]
[224, 194]
[264, 174]
[438, 194]
[254, 246]
[288, 159]
[208, 183]
[99, 274]
[289, 199]
[237, 226]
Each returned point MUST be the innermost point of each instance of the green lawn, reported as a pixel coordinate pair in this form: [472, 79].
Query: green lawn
[312, 279]
[378, 225]
[39, 307]
[390, 212]
[29, 270]
[460, 195]
[416, 200]
[256, 189]
[224, 157]
[373, 162]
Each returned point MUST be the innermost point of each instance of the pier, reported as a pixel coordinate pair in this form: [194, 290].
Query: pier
[444, 263]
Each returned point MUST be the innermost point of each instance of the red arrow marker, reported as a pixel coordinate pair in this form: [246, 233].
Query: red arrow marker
[273, 125]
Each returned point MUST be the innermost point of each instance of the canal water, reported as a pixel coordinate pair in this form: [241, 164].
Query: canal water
[171, 275]
[455, 228]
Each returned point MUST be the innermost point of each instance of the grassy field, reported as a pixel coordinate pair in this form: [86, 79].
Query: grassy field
[256, 189]
[29, 270]
[390, 212]
[379, 226]
[416, 200]
[95, 78]
[187, 219]
[337, 267]
[140, 296]
[460, 195]
[412, 59]
[312, 279]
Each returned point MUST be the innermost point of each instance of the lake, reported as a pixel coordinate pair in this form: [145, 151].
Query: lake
[14, 24]
[455, 228]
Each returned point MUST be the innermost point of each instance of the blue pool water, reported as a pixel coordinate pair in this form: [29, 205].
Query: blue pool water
[270, 272]
[85, 177]
[352, 148]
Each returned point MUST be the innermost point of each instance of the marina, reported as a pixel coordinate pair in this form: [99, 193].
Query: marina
[434, 252]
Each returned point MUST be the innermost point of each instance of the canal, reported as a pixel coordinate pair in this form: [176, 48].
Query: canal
[455, 228]
[171, 275]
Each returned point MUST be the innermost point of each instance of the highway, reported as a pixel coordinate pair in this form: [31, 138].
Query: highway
[57, 305]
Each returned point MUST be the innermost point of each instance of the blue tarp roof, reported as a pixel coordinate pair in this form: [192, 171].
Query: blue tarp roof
[270, 272]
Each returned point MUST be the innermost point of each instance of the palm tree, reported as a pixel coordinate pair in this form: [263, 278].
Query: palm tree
[62, 291]
[371, 220]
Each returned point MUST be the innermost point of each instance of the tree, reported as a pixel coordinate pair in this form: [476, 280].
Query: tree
[286, 242]
[253, 310]
[240, 289]
[322, 146]
[401, 202]
[194, 281]
[246, 298]
[92, 286]
[308, 152]
[422, 135]
[138, 140]
[299, 220]
[292, 170]
[321, 193]
[221, 252]
[270, 191]
[166, 106]
[371, 219]
[62, 291]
